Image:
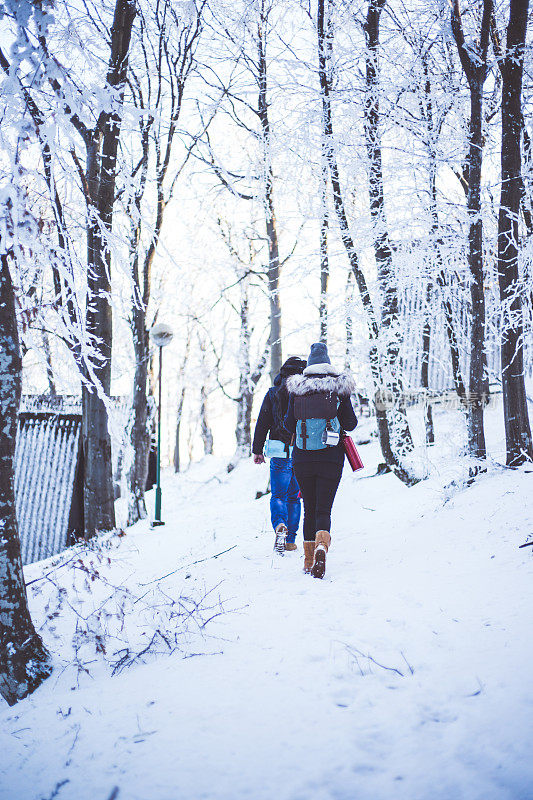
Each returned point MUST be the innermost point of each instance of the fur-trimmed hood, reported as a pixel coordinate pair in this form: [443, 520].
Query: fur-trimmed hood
[343, 384]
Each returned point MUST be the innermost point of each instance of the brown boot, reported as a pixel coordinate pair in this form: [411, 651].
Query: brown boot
[290, 546]
[309, 555]
[322, 543]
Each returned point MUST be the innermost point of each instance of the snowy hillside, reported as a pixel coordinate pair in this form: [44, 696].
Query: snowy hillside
[405, 674]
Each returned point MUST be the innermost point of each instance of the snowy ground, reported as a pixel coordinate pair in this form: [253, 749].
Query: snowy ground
[405, 675]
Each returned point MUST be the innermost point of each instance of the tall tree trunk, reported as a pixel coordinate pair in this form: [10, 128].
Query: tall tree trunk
[348, 300]
[243, 433]
[52, 390]
[517, 428]
[324, 277]
[424, 367]
[477, 295]
[323, 243]
[98, 496]
[102, 148]
[206, 432]
[179, 416]
[24, 661]
[389, 330]
[245, 396]
[324, 57]
[273, 271]
[452, 335]
[474, 62]
[140, 434]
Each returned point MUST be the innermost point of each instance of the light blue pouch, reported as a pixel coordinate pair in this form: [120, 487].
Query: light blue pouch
[274, 448]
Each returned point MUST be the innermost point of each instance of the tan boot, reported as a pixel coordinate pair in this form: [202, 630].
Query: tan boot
[290, 546]
[309, 555]
[322, 543]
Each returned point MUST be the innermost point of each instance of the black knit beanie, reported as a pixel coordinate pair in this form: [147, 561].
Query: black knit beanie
[293, 366]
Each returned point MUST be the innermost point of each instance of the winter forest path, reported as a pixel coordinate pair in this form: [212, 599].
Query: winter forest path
[404, 675]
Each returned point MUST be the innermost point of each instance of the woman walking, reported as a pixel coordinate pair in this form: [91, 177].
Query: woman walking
[285, 494]
[319, 411]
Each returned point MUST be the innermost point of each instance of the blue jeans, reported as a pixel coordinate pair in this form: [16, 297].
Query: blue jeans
[284, 500]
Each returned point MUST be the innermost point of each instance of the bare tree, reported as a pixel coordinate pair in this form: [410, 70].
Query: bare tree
[433, 79]
[206, 432]
[157, 85]
[249, 46]
[511, 62]
[273, 272]
[98, 178]
[24, 660]
[205, 428]
[249, 376]
[473, 57]
[181, 402]
[97, 171]
[389, 327]
[394, 434]
[179, 417]
[325, 33]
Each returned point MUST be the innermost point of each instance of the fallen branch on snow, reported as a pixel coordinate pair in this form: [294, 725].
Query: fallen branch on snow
[355, 652]
[185, 566]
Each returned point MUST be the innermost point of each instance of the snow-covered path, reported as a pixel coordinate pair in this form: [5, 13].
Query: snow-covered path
[405, 674]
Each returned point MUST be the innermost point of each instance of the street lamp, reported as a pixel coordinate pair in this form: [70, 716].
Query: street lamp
[161, 335]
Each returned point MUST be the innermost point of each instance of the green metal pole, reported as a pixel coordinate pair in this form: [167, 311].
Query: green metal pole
[157, 520]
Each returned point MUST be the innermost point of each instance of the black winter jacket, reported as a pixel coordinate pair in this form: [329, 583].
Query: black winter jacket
[266, 421]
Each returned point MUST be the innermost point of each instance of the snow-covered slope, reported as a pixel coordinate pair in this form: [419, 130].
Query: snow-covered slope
[404, 675]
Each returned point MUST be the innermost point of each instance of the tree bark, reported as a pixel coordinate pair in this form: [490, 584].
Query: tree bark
[179, 416]
[324, 273]
[400, 433]
[273, 271]
[392, 459]
[324, 225]
[348, 322]
[475, 241]
[424, 367]
[52, 390]
[140, 433]
[169, 60]
[206, 432]
[102, 148]
[24, 661]
[475, 69]
[452, 337]
[248, 380]
[517, 428]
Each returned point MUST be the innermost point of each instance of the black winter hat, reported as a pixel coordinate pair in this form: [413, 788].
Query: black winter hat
[292, 366]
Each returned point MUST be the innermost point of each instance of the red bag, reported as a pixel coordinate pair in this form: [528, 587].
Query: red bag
[354, 459]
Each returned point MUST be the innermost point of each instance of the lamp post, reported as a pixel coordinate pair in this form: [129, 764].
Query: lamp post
[161, 335]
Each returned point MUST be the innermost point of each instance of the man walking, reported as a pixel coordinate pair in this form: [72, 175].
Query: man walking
[284, 500]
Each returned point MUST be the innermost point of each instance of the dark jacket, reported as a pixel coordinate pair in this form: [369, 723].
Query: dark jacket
[266, 423]
[344, 386]
[274, 408]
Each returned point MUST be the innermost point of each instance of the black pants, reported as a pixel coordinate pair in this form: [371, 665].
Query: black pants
[318, 482]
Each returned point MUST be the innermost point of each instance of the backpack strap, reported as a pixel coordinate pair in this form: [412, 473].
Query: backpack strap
[304, 434]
